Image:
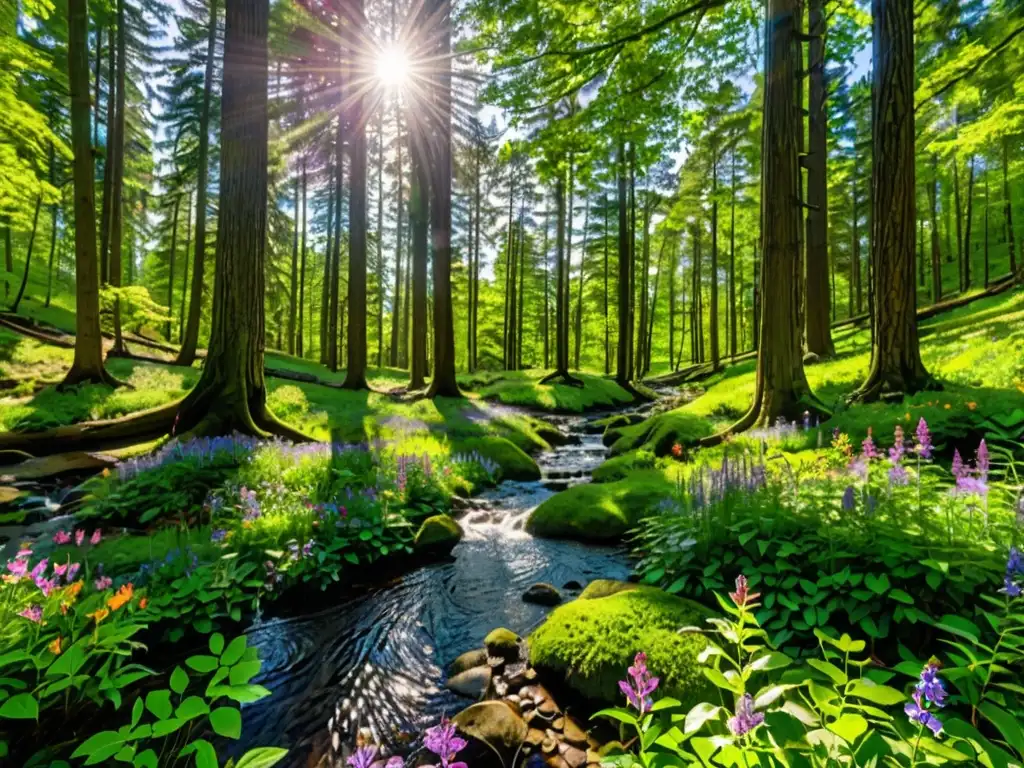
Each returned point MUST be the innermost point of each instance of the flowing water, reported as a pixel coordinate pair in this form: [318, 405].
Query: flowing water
[377, 660]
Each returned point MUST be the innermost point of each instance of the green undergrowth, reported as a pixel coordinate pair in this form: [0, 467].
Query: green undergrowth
[659, 433]
[589, 642]
[523, 388]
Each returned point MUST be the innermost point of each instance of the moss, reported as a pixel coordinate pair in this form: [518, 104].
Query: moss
[602, 511]
[523, 388]
[611, 422]
[659, 433]
[503, 643]
[514, 463]
[591, 643]
[604, 587]
[619, 467]
[437, 534]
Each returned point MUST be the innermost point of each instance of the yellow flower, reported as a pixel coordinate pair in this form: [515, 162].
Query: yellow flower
[99, 615]
[124, 595]
[972, 405]
[948, 406]
[906, 416]
[55, 646]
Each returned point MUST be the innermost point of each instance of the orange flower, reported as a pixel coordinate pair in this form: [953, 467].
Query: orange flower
[71, 591]
[972, 405]
[55, 646]
[99, 615]
[124, 595]
[948, 406]
[143, 603]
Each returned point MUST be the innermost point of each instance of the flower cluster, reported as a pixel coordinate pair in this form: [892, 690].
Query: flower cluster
[707, 486]
[63, 537]
[442, 741]
[640, 684]
[1013, 583]
[929, 691]
[972, 480]
[62, 573]
[743, 597]
[205, 451]
[746, 718]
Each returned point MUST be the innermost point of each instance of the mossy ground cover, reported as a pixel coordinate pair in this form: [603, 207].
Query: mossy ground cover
[591, 641]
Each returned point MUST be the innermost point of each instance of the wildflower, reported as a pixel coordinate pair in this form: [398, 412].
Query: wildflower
[124, 595]
[79, 537]
[972, 405]
[983, 459]
[923, 448]
[443, 742]
[307, 548]
[947, 406]
[95, 538]
[143, 603]
[73, 569]
[54, 647]
[363, 757]
[930, 685]
[99, 615]
[641, 684]
[36, 574]
[33, 613]
[898, 447]
[898, 475]
[859, 468]
[219, 535]
[746, 718]
[395, 762]
[61, 537]
[102, 583]
[71, 593]
[47, 586]
[677, 450]
[1014, 568]
[18, 567]
[849, 499]
[742, 595]
[917, 712]
[868, 447]
[959, 469]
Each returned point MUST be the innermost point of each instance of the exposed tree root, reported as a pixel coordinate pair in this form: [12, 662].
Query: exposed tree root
[567, 378]
[880, 387]
[77, 376]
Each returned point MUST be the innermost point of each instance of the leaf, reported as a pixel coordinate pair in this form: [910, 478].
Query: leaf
[233, 652]
[243, 672]
[99, 741]
[261, 757]
[226, 721]
[206, 755]
[179, 680]
[191, 708]
[145, 759]
[618, 713]
[830, 670]
[159, 703]
[202, 664]
[876, 694]
[699, 715]
[216, 643]
[958, 625]
[1007, 724]
[770, 695]
[849, 727]
[877, 584]
[21, 706]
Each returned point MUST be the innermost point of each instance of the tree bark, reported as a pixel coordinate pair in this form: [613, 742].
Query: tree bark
[418, 212]
[302, 262]
[986, 229]
[896, 364]
[966, 284]
[1008, 206]
[355, 373]
[958, 213]
[397, 303]
[818, 310]
[171, 257]
[28, 254]
[187, 354]
[54, 213]
[607, 322]
[108, 158]
[645, 273]
[184, 282]
[936, 251]
[333, 333]
[117, 181]
[622, 369]
[734, 336]
[380, 237]
[579, 298]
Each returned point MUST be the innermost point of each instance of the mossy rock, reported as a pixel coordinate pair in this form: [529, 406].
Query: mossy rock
[437, 535]
[599, 426]
[514, 462]
[659, 433]
[619, 467]
[599, 588]
[502, 643]
[600, 511]
[590, 644]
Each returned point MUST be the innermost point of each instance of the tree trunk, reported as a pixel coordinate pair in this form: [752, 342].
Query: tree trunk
[326, 340]
[966, 283]
[355, 373]
[645, 273]
[547, 294]
[818, 324]
[936, 252]
[579, 297]
[333, 332]
[475, 312]
[117, 181]
[986, 229]
[184, 282]
[397, 303]
[622, 369]
[28, 254]
[54, 212]
[170, 260]
[96, 98]
[8, 260]
[521, 269]
[734, 337]
[958, 213]
[781, 386]
[108, 158]
[631, 319]
[302, 264]
[418, 211]
[896, 358]
[443, 382]
[607, 330]
[380, 238]
[1008, 207]
[654, 306]
[190, 342]
[716, 362]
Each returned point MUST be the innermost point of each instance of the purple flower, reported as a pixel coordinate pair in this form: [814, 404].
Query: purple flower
[72, 572]
[37, 573]
[960, 470]
[640, 685]
[898, 447]
[47, 585]
[307, 548]
[983, 460]
[971, 485]
[746, 718]
[849, 499]
[33, 613]
[898, 475]
[1014, 568]
[742, 595]
[443, 742]
[930, 685]
[219, 535]
[102, 583]
[79, 537]
[924, 440]
[362, 757]
[859, 468]
[918, 713]
[18, 567]
[395, 762]
[868, 446]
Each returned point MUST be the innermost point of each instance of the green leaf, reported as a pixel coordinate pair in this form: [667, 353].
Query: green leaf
[159, 703]
[830, 670]
[202, 664]
[243, 672]
[206, 755]
[876, 694]
[900, 596]
[216, 643]
[1006, 723]
[699, 715]
[958, 625]
[233, 652]
[261, 757]
[226, 721]
[145, 759]
[618, 713]
[191, 708]
[877, 584]
[99, 741]
[21, 706]
[849, 727]
[179, 680]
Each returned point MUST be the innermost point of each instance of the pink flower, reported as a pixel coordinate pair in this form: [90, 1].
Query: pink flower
[868, 446]
[61, 537]
[37, 572]
[73, 571]
[33, 613]
[79, 537]
[95, 538]
[103, 582]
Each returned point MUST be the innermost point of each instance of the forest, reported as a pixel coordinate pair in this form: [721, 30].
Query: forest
[503, 383]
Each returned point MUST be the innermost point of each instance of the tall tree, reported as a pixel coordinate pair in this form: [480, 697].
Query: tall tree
[116, 159]
[896, 364]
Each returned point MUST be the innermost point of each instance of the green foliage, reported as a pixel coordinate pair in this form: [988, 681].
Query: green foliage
[512, 462]
[619, 467]
[438, 533]
[660, 432]
[588, 642]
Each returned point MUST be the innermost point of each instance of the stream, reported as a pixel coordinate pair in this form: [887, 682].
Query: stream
[377, 659]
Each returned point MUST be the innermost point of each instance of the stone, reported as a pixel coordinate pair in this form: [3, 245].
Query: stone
[531, 674]
[604, 587]
[535, 737]
[573, 733]
[547, 707]
[558, 723]
[549, 746]
[438, 535]
[503, 644]
[468, 660]
[572, 586]
[542, 594]
[515, 674]
[495, 724]
[472, 683]
[573, 756]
